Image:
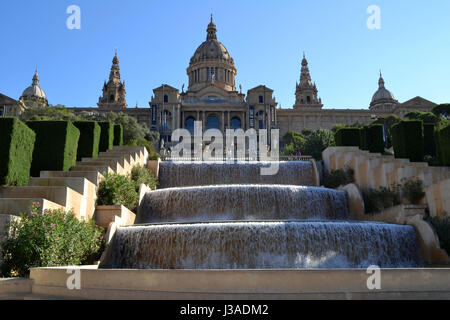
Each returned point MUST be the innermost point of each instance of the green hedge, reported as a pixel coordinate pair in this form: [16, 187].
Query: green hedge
[89, 139]
[375, 138]
[407, 140]
[118, 135]
[106, 136]
[16, 152]
[443, 145]
[56, 146]
[348, 137]
[364, 138]
[429, 141]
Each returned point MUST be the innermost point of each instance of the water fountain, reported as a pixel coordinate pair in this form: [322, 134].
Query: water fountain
[227, 216]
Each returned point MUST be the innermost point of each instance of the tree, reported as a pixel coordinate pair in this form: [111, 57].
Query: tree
[318, 141]
[58, 112]
[442, 110]
[295, 142]
[388, 122]
[426, 117]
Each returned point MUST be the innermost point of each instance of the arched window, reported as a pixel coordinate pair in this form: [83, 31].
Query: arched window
[166, 98]
[165, 125]
[213, 123]
[308, 99]
[189, 124]
[235, 123]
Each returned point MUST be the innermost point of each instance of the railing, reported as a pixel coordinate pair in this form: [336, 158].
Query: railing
[224, 159]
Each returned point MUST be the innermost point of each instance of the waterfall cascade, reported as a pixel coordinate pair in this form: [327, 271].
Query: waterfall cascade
[226, 216]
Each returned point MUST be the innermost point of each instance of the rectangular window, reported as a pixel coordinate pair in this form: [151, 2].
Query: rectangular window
[261, 124]
[207, 74]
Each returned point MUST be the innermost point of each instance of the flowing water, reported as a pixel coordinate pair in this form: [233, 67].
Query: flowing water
[227, 216]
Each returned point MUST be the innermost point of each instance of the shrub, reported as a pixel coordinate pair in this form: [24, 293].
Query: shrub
[106, 136]
[318, 141]
[118, 190]
[141, 175]
[348, 137]
[364, 138]
[339, 177]
[376, 200]
[89, 139]
[55, 148]
[407, 139]
[442, 227]
[54, 238]
[16, 152]
[429, 141]
[118, 135]
[442, 136]
[412, 190]
[388, 122]
[375, 140]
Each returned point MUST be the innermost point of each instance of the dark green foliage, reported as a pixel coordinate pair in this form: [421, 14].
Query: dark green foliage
[89, 139]
[442, 136]
[442, 227]
[426, 117]
[116, 189]
[442, 110]
[364, 138]
[376, 200]
[339, 177]
[388, 122]
[50, 113]
[54, 238]
[412, 190]
[316, 142]
[56, 146]
[429, 141]
[106, 136]
[348, 137]
[375, 141]
[16, 152]
[118, 135]
[407, 139]
[141, 175]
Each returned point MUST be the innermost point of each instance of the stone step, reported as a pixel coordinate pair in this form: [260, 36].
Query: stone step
[101, 169]
[16, 206]
[64, 196]
[80, 184]
[93, 176]
[123, 164]
[114, 164]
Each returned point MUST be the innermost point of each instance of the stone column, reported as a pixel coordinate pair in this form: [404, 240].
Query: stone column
[173, 118]
[204, 120]
[179, 117]
[229, 123]
[223, 122]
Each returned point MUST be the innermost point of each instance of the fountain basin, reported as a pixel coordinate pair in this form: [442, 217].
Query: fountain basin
[263, 245]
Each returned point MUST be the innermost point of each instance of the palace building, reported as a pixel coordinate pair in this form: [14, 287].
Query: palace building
[213, 99]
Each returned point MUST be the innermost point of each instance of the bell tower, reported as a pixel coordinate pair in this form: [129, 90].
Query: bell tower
[114, 91]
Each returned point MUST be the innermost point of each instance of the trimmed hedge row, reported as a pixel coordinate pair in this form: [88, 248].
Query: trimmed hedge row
[367, 138]
[106, 136]
[89, 139]
[55, 148]
[348, 137]
[443, 145]
[408, 141]
[16, 152]
[118, 135]
[429, 141]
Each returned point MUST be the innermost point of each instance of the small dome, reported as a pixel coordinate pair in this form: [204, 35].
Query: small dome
[34, 91]
[382, 93]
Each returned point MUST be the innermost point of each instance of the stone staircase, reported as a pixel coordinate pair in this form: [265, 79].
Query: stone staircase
[373, 170]
[75, 189]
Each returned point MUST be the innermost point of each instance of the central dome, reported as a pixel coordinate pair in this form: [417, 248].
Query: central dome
[211, 49]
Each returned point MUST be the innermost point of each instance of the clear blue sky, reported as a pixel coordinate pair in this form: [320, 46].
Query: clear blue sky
[156, 39]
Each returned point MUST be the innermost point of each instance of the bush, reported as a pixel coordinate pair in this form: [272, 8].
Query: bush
[412, 190]
[442, 136]
[339, 177]
[55, 148]
[118, 190]
[106, 136]
[55, 238]
[375, 140]
[376, 200]
[141, 175]
[442, 227]
[364, 138]
[118, 135]
[429, 141]
[407, 139]
[348, 137]
[388, 122]
[16, 152]
[89, 139]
